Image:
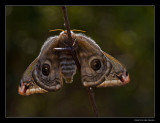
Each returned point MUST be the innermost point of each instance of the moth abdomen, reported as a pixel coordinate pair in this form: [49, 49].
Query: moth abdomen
[68, 67]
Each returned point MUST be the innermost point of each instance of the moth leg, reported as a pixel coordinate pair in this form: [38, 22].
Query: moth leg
[75, 45]
[62, 49]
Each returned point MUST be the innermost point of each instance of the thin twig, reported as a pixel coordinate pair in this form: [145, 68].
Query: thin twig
[64, 11]
[92, 100]
[73, 53]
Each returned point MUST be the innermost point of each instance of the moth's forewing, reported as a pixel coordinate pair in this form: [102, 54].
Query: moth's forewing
[27, 85]
[90, 54]
[118, 75]
[111, 72]
[33, 79]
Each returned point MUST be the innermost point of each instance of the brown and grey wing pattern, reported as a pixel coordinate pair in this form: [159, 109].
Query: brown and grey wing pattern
[44, 73]
[94, 65]
[118, 75]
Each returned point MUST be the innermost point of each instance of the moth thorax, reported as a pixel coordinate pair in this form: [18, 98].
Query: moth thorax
[68, 67]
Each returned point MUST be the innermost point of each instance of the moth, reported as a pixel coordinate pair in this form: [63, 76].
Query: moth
[47, 72]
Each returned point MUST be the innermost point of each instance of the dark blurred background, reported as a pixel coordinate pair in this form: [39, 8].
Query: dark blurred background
[125, 32]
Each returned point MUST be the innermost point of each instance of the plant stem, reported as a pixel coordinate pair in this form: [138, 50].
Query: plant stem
[64, 11]
[92, 100]
[73, 53]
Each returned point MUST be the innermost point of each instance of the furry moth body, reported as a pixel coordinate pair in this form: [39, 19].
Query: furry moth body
[46, 72]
